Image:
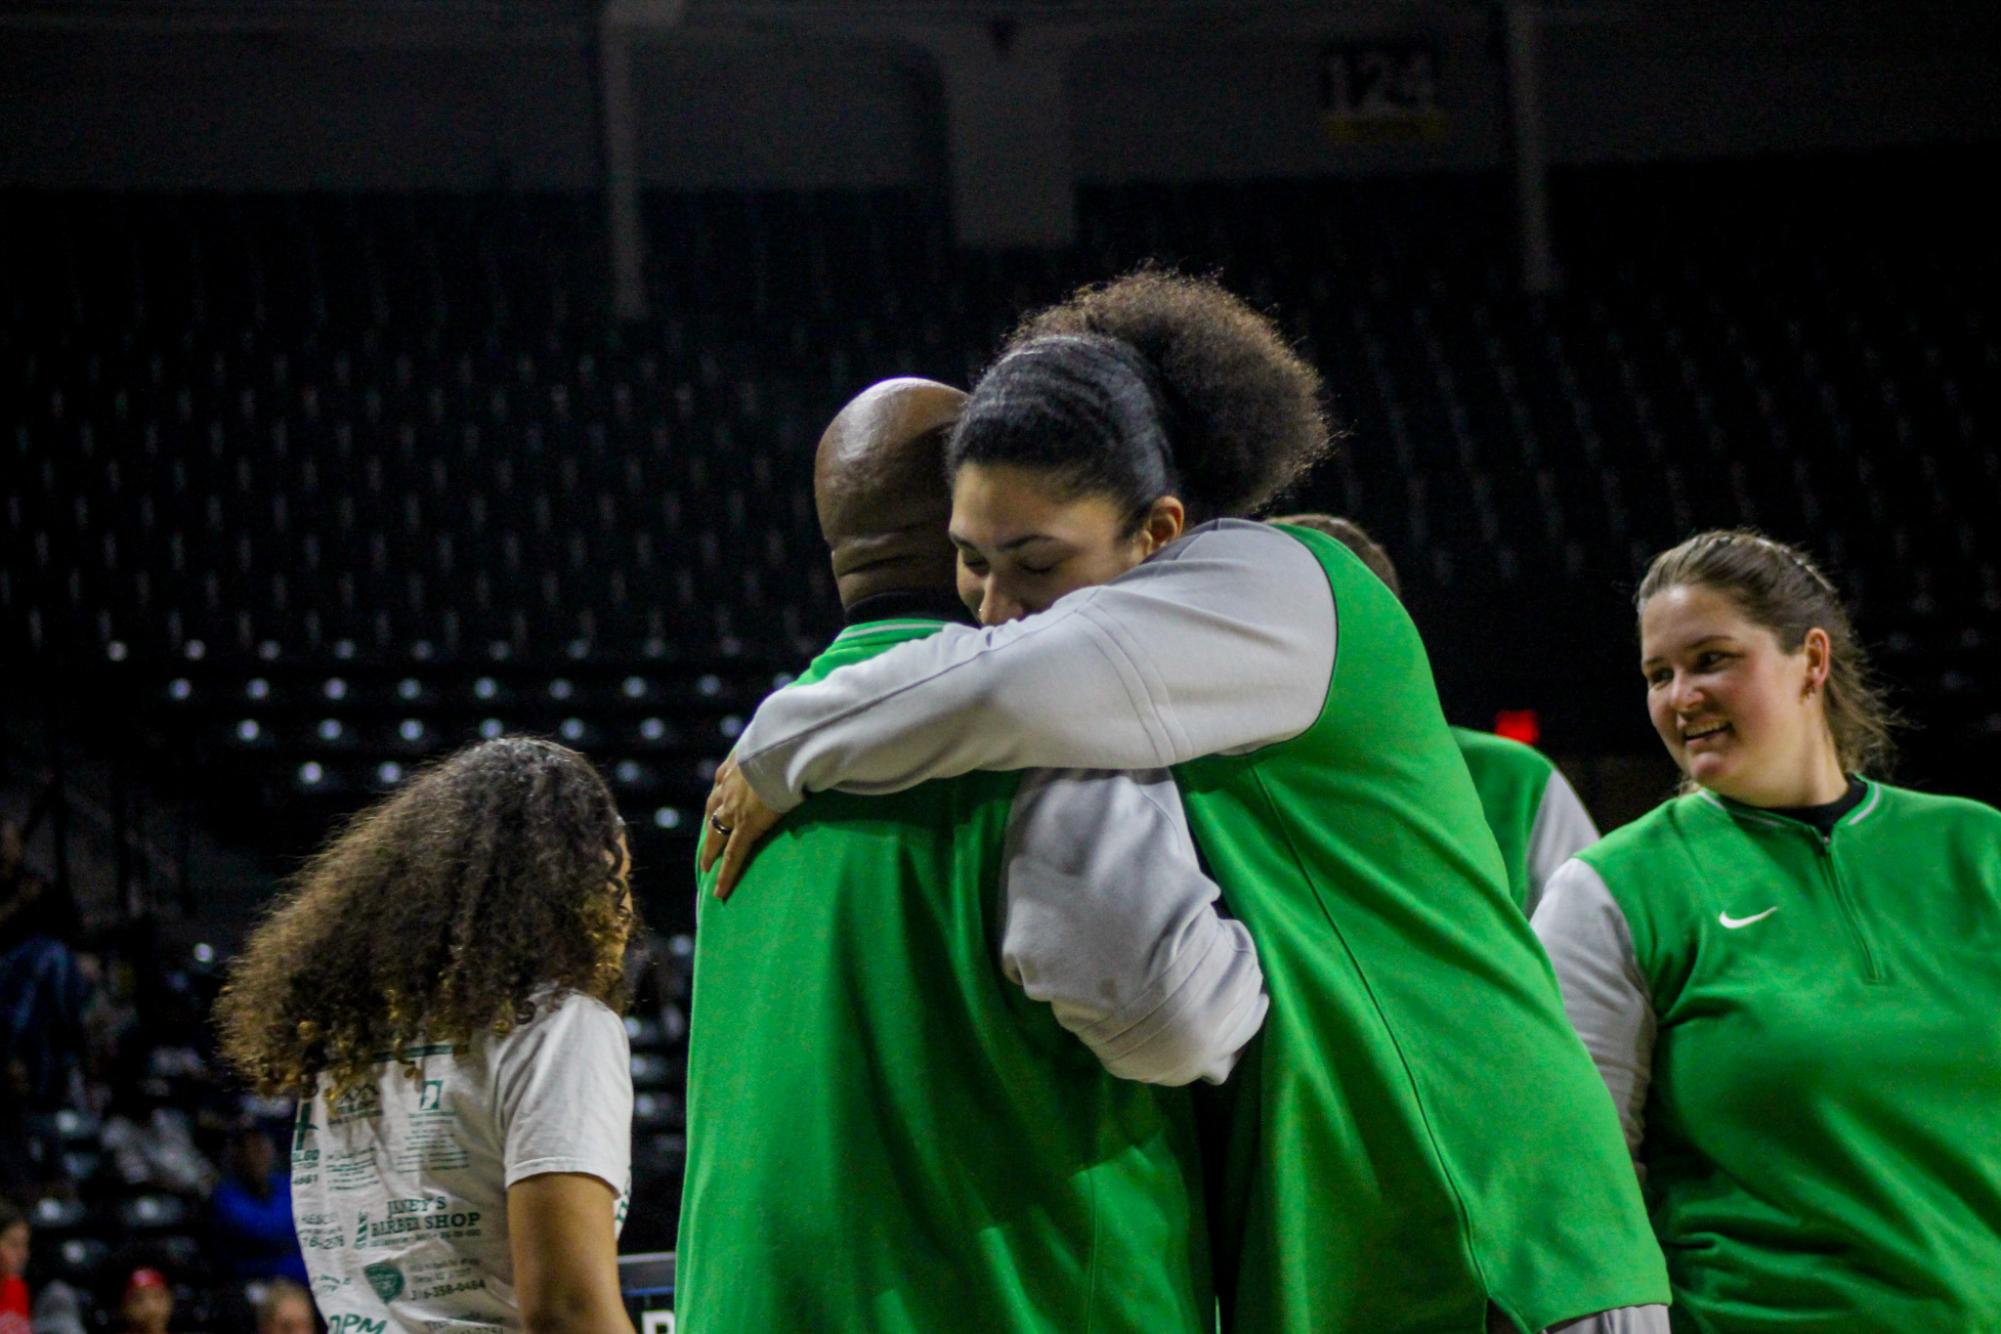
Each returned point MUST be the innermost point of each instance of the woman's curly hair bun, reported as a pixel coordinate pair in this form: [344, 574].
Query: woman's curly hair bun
[1246, 406]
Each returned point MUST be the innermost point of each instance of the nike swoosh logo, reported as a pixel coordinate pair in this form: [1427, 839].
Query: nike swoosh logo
[1733, 923]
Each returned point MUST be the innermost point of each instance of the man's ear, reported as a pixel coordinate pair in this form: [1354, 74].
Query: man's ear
[1164, 523]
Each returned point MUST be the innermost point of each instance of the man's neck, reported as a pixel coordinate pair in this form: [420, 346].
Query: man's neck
[907, 603]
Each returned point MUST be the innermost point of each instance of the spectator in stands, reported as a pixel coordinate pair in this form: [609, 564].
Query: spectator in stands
[286, 1308]
[1787, 974]
[863, 1076]
[44, 998]
[250, 1213]
[1532, 809]
[146, 1306]
[151, 1140]
[1416, 1091]
[14, 1304]
[43, 994]
[59, 1309]
[441, 989]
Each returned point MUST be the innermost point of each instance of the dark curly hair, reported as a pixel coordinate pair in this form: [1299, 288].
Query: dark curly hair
[1778, 586]
[488, 882]
[1154, 384]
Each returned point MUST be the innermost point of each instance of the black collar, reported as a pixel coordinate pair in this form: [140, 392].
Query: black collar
[903, 604]
[1826, 815]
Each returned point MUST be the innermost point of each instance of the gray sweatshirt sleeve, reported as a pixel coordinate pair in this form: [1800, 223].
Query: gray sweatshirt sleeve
[1109, 919]
[1562, 829]
[1604, 993]
[1222, 643]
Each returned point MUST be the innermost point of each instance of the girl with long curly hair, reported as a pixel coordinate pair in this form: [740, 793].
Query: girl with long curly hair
[441, 989]
[1415, 1139]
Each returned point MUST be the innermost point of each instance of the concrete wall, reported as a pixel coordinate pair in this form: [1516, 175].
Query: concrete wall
[299, 111]
[292, 109]
[1197, 106]
[719, 112]
[1703, 79]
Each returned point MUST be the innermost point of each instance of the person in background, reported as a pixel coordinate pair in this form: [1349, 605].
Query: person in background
[1534, 812]
[286, 1308]
[14, 1304]
[151, 1140]
[441, 989]
[44, 999]
[146, 1305]
[250, 1213]
[59, 1309]
[1789, 975]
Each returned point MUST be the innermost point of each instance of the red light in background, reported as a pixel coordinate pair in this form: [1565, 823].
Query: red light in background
[1523, 725]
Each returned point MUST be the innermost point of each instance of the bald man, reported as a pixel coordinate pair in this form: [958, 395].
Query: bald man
[879, 489]
[937, 1036]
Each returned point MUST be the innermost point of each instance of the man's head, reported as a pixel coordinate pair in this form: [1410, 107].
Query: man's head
[251, 1156]
[13, 1240]
[147, 1304]
[879, 486]
[287, 1308]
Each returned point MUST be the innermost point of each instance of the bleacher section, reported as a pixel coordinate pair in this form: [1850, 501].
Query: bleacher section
[309, 488]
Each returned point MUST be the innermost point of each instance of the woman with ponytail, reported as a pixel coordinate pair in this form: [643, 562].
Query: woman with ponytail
[1415, 1141]
[1787, 975]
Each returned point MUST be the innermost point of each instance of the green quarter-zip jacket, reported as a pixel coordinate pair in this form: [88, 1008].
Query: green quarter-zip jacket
[889, 1128]
[1416, 1133]
[1803, 1035]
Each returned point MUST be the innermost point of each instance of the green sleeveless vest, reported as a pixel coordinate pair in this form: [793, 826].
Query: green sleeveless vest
[1510, 779]
[884, 1133]
[1417, 1131]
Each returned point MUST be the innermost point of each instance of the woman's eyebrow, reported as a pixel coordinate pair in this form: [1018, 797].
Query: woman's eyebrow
[1011, 544]
[1689, 647]
[1024, 541]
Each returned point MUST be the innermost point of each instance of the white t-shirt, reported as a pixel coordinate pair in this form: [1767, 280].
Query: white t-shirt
[399, 1188]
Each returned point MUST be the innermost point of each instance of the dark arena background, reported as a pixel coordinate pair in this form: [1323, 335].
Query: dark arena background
[380, 375]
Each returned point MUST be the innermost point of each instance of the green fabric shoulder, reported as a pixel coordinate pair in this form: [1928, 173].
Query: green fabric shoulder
[1675, 868]
[1957, 819]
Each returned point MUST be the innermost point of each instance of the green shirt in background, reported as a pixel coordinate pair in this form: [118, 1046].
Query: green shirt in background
[1822, 1133]
[1417, 1131]
[1535, 816]
[1510, 779]
[884, 1134]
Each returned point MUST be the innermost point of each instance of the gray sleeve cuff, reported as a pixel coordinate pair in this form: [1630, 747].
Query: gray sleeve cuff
[1111, 922]
[1619, 1320]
